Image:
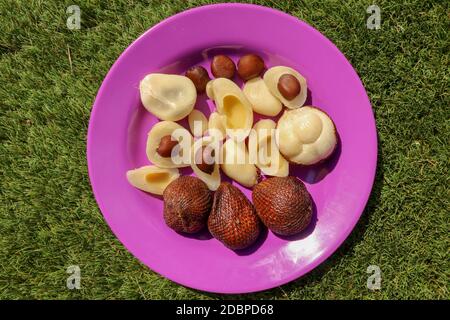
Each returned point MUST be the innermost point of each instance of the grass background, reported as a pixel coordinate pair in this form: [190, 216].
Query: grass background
[49, 76]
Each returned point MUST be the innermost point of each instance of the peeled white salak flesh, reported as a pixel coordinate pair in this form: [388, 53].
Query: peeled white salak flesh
[262, 146]
[166, 128]
[260, 97]
[212, 180]
[236, 163]
[306, 135]
[216, 127]
[152, 178]
[271, 78]
[231, 103]
[198, 123]
[168, 96]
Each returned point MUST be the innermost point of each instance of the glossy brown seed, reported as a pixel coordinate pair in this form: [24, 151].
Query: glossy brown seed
[289, 86]
[223, 67]
[283, 204]
[187, 204]
[199, 76]
[250, 66]
[204, 159]
[165, 146]
[233, 220]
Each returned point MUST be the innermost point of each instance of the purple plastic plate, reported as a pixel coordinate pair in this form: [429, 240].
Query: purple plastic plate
[119, 125]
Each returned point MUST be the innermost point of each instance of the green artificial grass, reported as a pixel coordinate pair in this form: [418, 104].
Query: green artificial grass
[49, 220]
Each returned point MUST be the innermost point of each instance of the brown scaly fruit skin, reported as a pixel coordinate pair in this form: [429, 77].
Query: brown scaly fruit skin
[233, 220]
[283, 204]
[187, 204]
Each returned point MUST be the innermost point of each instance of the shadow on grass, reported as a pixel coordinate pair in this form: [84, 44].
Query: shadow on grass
[345, 249]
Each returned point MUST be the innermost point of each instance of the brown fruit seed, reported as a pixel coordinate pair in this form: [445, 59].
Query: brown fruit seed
[289, 86]
[199, 77]
[187, 203]
[204, 159]
[283, 204]
[233, 220]
[250, 66]
[223, 67]
[165, 146]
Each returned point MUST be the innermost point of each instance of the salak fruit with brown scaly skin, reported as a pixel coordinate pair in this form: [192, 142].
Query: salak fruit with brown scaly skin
[187, 203]
[233, 220]
[283, 204]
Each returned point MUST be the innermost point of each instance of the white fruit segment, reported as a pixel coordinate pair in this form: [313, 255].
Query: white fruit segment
[216, 127]
[232, 103]
[262, 101]
[151, 178]
[165, 128]
[236, 163]
[262, 146]
[212, 180]
[306, 135]
[271, 78]
[168, 96]
[197, 123]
